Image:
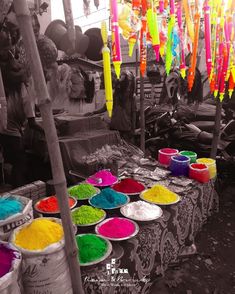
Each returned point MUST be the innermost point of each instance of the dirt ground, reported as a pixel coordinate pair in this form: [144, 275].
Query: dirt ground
[212, 269]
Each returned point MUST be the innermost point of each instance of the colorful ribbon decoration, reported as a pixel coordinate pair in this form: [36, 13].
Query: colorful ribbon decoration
[171, 41]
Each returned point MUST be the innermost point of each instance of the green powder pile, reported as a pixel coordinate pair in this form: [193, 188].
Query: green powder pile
[86, 214]
[82, 191]
[91, 247]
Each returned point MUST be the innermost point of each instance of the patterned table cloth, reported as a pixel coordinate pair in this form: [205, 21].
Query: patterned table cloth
[135, 263]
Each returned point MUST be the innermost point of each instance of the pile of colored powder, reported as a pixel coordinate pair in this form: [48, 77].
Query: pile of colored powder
[82, 191]
[108, 198]
[129, 186]
[9, 206]
[87, 215]
[141, 210]
[160, 194]
[117, 228]
[206, 160]
[50, 204]
[39, 234]
[7, 255]
[91, 247]
[102, 178]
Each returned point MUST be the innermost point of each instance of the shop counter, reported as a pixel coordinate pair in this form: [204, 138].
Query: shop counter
[136, 263]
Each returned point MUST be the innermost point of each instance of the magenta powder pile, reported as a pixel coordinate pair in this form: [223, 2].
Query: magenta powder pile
[7, 256]
[117, 228]
[107, 178]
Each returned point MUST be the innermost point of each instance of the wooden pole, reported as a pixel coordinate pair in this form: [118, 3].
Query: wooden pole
[25, 24]
[216, 132]
[3, 105]
[68, 14]
[142, 118]
[136, 62]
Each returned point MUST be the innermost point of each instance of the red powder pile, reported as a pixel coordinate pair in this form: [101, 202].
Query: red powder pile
[129, 186]
[50, 204]
[117, 228]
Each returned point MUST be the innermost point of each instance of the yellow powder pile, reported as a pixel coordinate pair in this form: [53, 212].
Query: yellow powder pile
[39, 234]
[211, 164]
[160, 194]
[206, 160]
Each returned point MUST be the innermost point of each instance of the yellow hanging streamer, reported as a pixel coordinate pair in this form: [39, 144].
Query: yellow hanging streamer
[107, 70]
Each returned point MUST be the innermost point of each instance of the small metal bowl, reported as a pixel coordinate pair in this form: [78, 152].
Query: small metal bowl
[97, 192]
[117, 239]
[51, 213]
[122, 210]
[127, 201]
[91, 224]
[159, 203]
[106, 255]
[129, 194]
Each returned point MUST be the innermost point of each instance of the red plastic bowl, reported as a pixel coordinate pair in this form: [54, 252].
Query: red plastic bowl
[199, 172]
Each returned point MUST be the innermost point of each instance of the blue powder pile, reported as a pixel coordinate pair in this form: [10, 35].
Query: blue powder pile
[9, 206]
[108, 198]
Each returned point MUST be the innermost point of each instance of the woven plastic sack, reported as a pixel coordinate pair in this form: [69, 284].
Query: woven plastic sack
[9, 283]
[16, 220]
[45, 271]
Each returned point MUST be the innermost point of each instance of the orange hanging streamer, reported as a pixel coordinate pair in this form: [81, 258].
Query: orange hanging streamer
[188, 19]
[166, 4]
[191, 73]
[144, 7]
[143, 46]
[231, 85]
[212, 83]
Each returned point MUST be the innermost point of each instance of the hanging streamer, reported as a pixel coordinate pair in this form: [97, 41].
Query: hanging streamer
[191, 72]
[107, 70]
[153, 29]
[116, 49]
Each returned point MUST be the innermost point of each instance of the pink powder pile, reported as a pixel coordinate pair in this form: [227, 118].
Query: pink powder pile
[106, 176]
[117, 228]
[7, 255]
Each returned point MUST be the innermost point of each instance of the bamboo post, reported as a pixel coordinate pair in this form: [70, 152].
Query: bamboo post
[142, 118]
[25, 24]
[153, 93]
[217, 126]
[68, 14]
[136, 62]
[3, 105]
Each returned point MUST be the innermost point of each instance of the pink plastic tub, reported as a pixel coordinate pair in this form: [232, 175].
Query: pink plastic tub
[165, 154]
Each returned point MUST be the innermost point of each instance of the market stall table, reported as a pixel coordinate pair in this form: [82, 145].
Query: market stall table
[136, 263]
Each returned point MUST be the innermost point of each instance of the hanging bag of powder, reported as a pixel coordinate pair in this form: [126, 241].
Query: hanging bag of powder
[44, 264]
[10, 259]
[15, 211]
